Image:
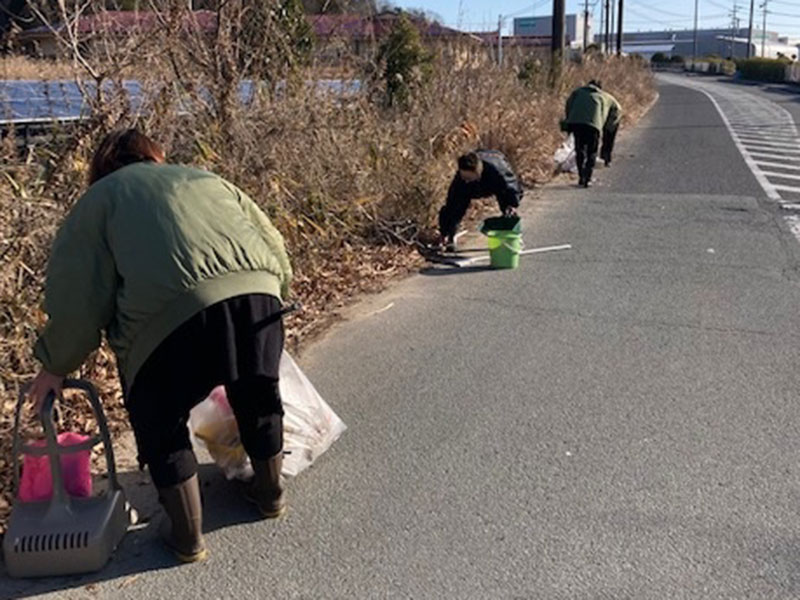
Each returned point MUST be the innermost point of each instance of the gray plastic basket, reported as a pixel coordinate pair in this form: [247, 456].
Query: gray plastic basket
[64, 535]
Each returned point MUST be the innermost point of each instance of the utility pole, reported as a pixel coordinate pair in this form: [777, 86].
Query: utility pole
[500, 41]
[611, 25]
[764, 31]
[559, 23]
[586, 25]
[694, 43]
[600, 29]
[619, 30]
[750, 29]
[733, 29]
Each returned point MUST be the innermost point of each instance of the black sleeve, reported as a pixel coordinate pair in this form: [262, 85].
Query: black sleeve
[458, 199]
[454, 191]
[568, 108]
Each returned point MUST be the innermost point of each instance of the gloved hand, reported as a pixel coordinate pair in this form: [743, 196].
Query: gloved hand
[42, 385]
[447, 244]
[510, 211]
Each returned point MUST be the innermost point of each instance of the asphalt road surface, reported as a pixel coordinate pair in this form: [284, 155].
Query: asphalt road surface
[618, 420]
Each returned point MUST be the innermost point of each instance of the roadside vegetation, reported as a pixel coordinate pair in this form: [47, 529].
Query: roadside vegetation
[768, 70]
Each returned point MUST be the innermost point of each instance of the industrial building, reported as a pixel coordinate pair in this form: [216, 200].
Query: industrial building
[725, 43]
[543, 27]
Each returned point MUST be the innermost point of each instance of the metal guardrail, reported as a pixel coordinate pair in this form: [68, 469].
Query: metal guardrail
[27, 132]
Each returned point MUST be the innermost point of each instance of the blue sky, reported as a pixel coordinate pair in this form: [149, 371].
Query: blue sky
[639, 14]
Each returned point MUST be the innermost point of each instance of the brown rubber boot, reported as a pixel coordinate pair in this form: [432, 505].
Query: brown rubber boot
[184, 508]
[266, 489]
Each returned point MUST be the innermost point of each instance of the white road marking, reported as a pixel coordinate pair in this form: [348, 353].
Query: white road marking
[768, 155]
[763, 131]
[764, 163]
[787, 188]
[783, 175]
[759, 148]
[767, 141]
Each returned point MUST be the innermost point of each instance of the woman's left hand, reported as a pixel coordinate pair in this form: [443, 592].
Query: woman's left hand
[42, 385]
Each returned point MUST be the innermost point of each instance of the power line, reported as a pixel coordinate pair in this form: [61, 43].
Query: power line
[671, 21]
[635, 12]
[530, 8]
[658, 10]
[704, 18]
[718, 5]
[780, 14]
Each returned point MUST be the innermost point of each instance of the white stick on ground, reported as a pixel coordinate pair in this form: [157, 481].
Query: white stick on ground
[380, 310]
[477, 259]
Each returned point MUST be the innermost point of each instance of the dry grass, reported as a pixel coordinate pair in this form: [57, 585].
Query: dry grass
[23, 67]
[349, 183]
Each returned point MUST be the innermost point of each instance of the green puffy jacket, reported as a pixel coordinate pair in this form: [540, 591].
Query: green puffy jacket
[589, 105]
[143, 250]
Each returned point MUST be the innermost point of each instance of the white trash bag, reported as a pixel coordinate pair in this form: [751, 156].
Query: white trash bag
[309, 425]
[564, 157]
[213, 425]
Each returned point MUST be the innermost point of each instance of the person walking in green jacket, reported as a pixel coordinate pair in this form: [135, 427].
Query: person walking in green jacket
[591, 112]
[185, 276]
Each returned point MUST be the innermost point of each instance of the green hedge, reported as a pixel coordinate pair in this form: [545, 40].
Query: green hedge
[713, 65]
[722, 66]
[771, 70]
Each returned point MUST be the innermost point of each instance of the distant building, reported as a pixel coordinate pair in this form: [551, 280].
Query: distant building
[723, 42]
[338, 37]
[543, 27]
[90, 29]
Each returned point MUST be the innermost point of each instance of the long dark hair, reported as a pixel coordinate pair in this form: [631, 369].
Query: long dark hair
[122, 148]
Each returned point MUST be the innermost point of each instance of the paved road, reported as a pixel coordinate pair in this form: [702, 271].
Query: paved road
[763, 128]
[616, 421]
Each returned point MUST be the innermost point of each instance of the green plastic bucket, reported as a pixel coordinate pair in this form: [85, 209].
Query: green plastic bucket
[504, 249]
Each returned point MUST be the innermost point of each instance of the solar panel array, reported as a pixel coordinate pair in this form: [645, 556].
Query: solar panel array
[44, 101]
[26, 102]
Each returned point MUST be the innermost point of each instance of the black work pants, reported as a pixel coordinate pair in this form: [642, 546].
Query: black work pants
[607, 149]
[236, 343]
[587, 142]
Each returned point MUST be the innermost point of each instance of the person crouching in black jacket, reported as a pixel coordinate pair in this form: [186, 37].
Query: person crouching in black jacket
[480, 174]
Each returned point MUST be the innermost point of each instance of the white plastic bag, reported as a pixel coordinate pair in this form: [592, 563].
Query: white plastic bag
[214, 426]
[564, 157]
[309, 425]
